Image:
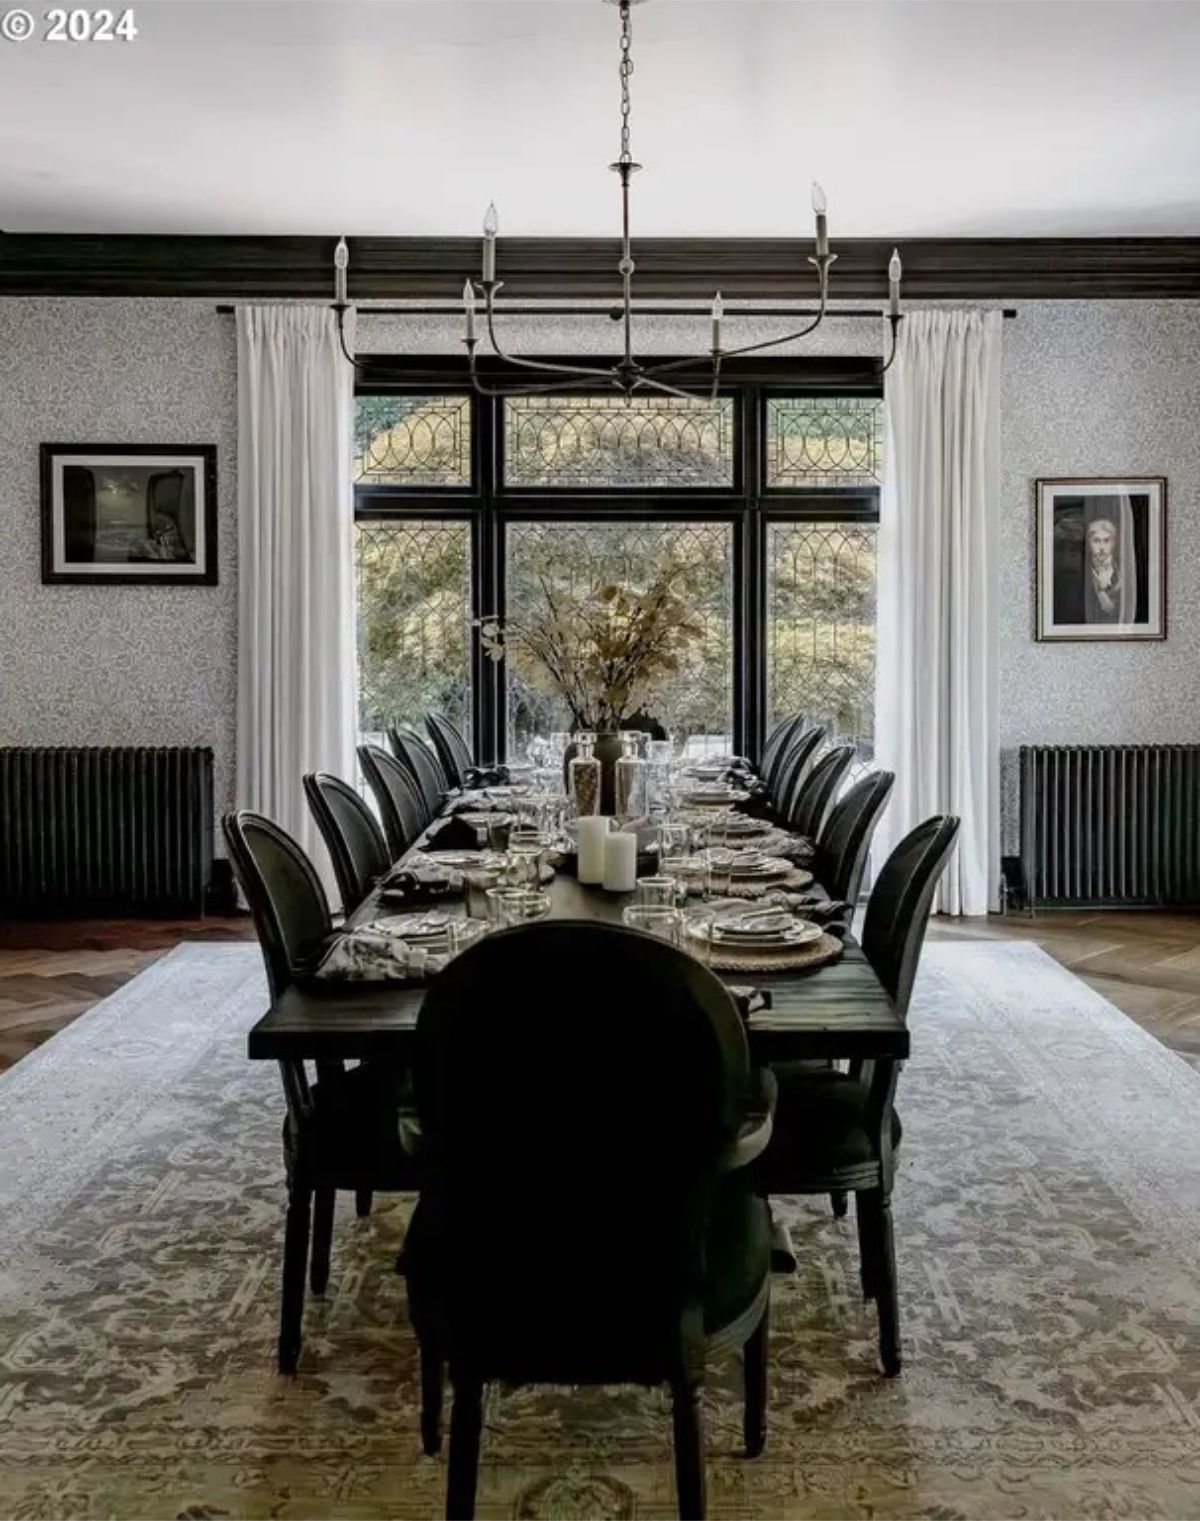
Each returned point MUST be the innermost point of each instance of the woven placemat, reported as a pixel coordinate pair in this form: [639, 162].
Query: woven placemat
[798, 958]
[755, 887]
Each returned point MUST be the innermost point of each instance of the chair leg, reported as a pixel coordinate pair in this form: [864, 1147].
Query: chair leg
[868, 1244]
[432, 1382]
[887, 1298]
[754, 1370]
[362, 1202]
[688, 1433]
[295, 1263]
[322, 1239]
[466, 1423]
[838, 1201]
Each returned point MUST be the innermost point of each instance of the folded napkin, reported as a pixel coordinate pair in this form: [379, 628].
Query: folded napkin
[368, 955]
[453, 834]
[417, 882]
[832, 914]
[799, 850]
[485, 776]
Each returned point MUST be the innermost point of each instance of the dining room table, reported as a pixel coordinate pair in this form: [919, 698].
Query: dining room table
[836, 1011]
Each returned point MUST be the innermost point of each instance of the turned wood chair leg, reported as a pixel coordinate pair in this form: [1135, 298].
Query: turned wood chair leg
[362, 1202]
[688, 1434]
[466, 1423]
[433, 1370]
[322, 1239]
[295, 1265]
[839, 1203]
[754, 1367]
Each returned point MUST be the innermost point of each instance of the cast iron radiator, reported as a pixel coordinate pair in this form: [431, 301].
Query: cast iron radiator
[88, 831]
[1110, 824]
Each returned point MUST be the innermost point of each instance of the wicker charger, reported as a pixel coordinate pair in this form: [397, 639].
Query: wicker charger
[799, 958]
[795, 881]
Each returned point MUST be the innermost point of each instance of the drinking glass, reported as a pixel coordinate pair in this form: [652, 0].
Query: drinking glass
[476, 881]
[657, 892]
[498, 831]
[696, 932]
[517, 905]
[526, 847]
[674, 848]
[654, 920]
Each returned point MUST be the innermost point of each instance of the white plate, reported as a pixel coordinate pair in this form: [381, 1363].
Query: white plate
[802, 932]
[430, 925]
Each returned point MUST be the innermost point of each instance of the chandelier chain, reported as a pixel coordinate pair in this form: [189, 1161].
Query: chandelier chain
[626, 69]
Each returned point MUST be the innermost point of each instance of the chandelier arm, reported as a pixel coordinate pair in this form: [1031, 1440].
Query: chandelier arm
[645, 383]
[894, 319]
[535, 364]
[771, 343]
[558, 387]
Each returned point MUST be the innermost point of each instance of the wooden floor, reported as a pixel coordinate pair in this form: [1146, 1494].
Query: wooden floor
[1148, 964]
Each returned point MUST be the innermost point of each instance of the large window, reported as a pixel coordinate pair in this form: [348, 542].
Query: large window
[767, 494]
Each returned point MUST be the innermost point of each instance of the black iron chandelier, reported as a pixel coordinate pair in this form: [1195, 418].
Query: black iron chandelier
[627, 375]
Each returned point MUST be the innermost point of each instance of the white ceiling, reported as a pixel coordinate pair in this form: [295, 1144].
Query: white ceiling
[960, 117]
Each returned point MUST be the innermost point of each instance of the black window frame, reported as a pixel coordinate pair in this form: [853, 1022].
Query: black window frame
[489, 506]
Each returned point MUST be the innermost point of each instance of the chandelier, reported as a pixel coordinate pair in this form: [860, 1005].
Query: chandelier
[628, 375]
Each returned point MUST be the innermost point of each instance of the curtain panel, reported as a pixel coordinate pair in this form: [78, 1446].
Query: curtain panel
[296, 639]
[936, 667]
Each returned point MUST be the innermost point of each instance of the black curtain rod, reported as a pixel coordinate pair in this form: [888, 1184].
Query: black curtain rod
[855, 313]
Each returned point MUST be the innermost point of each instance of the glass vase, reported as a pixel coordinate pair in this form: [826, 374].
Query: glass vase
[583, 777]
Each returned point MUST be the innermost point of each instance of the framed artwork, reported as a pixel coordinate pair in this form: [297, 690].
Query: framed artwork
[1101, 558]
[129, 514]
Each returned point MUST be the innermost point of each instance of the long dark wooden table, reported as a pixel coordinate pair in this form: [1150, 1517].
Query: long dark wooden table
[840, 1010]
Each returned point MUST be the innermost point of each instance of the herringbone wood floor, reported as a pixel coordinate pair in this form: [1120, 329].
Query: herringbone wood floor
[1148, 964]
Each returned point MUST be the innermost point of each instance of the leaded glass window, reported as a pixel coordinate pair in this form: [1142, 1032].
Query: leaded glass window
[414, 621]
[821, 628]
[566, 559]
[823, 441]
[412, 441]
[602, 443]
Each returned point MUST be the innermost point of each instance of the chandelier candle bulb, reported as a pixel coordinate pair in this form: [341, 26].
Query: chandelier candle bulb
[818, 206]
[718, 310]
[620, 862]
[894, 272]
[341, 263]
[491, 226]
[469, 309]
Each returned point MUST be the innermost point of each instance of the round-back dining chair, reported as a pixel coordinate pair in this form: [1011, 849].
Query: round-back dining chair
[791, 765]
[845, 838]
[422, 765]
[352, 836]
[401, 806]
[453, 752]
[804, 813]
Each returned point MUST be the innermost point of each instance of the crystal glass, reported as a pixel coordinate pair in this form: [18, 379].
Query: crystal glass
[696, 932]
[654, 920]
[476, 882]
[517, 905]
[499, 828]
[526, 847]
[675, 846]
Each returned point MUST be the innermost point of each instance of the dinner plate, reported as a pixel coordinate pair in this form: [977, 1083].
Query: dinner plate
[458, 858]
[714, 799]
[799, 932]
[429, 925]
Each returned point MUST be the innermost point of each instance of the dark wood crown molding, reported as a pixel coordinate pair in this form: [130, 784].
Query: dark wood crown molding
[743, 268]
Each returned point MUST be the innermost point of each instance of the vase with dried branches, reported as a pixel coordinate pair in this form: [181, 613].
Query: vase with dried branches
[601, 651]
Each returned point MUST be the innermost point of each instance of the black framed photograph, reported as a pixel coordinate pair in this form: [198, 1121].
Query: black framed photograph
[1101, 558]
[129, 514]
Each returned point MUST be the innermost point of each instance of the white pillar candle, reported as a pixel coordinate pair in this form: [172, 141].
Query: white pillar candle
[593, 828]
[620, 862]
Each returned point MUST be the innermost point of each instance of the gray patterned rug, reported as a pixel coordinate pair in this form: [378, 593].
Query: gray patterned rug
[1048, 1219]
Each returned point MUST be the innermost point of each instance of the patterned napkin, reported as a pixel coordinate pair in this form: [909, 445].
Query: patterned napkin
[368, 954]
[833, 915]
[453, 834]
[417, 882]
[485, 776]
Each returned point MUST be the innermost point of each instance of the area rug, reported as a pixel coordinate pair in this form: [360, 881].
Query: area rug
[1048, 1222]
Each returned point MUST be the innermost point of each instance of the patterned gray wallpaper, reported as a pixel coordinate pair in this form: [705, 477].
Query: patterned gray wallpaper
[122, 664]
[1089, 388]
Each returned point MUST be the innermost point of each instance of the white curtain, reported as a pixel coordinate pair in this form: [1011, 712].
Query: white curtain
[296, 658]
[936, 667]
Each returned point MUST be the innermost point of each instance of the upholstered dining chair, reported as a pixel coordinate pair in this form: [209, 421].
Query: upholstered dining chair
[845, 838]
[535, 1129]
[790, 767]
[400, 804]
[341, 1131]
[777, 742]
[838, 1132]
[452, 750]
[422, 765]
[804, 811]
[352, 836]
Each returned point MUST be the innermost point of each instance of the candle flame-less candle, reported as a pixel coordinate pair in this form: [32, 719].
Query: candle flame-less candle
[620, 862]
[593, 832]
[894, 272]
[818, 206]
[469, 308]
[341, 263]
[718, 311]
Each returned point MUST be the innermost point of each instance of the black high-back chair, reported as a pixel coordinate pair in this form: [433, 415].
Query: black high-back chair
[845, 838]
[342, 1131]
[422, 765]
[352, 836]
[453, 752]
[837, 1132]
[400, 805]
[804, 812]
[791, 766]
[534, 1128]
[776, 744]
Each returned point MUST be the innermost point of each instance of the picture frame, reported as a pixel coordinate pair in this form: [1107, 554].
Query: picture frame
[1101, 558]
[129, 514]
